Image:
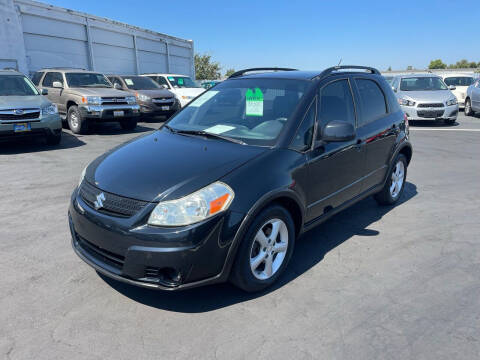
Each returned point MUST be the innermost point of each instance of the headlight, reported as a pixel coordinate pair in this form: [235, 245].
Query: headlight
[82, 175]
[193, 208]
[142, 97]
[92, 100]
[185, 97]
[452, 102]
[406, 102]
[49, 110]
[131, 100]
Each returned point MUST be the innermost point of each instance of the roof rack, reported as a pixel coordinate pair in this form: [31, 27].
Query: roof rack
[62, 68]
[9, 69]
[244, 71]
[332, 69]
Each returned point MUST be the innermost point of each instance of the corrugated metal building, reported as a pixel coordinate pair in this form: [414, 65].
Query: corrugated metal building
[34, 35]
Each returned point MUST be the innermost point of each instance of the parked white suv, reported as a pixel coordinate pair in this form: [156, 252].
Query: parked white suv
[458, 84]
[184, 88]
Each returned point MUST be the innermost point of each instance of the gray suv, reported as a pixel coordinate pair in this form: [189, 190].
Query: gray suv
[24, 112]
[425, 97]
[472, 98]
[86, 96]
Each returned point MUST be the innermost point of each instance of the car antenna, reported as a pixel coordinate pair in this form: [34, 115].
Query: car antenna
[340, 62]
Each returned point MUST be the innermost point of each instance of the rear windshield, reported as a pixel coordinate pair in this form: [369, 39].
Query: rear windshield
[423, 83]
[75, 80]
[182, 82]
[459, 81]
[16, 85]
[140, 83]
[252, 110]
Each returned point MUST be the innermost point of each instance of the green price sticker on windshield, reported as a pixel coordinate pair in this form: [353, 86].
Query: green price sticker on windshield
[254, 102]
[180, 81]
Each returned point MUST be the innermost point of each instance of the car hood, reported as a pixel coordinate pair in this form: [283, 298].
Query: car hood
[155, 93]
[22, 102]
[188, 91]
[163, 165]
[427, 96]
[106, 92]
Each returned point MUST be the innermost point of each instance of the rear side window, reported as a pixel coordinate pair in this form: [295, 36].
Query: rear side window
[303, 138]
[336, 103]
[37, 77]
[51, 77]
[161, 80]
[372, 101]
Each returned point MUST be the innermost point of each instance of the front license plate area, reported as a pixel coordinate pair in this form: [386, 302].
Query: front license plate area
[22, 127]
[118, 113]
[165, 108]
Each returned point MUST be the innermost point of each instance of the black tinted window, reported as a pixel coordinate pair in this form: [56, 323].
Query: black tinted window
[36, 78]
[160, 80]
[114, 80]
[372, 101]
[303, 138]
[51, 77]
[336, 103]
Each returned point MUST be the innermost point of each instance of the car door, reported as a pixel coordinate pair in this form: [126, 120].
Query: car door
[335, 168]
[376, 129]
[476, 96]
[54, 94]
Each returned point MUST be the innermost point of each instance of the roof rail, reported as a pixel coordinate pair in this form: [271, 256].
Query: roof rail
[244, 71]
[9, 69]
[332, 69]
[62, 68]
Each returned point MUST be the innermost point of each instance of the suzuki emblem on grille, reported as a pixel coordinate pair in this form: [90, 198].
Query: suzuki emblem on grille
[99, 202]
[18, 111]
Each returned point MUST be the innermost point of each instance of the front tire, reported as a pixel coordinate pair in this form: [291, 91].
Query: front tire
[395, 184]
[468, 108]
[128, 124]
[76, 122]
[265, 250]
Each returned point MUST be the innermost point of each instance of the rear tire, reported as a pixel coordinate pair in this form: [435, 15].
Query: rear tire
[128, 124]
[395, 184]
[468, 108]
[54, 139]
[265, 250]
[76, 122]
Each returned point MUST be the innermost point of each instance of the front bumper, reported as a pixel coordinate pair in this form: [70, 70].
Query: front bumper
[44, 126]
[158, 108]
[107, 112]
[440, 113]
[128, 250]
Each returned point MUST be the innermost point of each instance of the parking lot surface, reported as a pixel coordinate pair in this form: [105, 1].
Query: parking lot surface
[371, 283]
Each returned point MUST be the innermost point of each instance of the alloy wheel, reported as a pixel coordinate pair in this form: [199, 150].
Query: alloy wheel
[73, 119]
[398, 176]
[269, 249]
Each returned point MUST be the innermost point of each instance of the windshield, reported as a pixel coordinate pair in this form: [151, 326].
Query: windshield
[182, 82]
[140, 83]
[459, 81]
[76, 80]
[422, 83]
[251, 110]
[16, 85]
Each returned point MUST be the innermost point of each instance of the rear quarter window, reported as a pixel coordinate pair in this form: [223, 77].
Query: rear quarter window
[372, 100]
[37, 77]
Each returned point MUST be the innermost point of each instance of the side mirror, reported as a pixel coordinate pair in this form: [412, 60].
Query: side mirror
[338, 131]
[393, 88]
[164, 86]
[44, 92]
[117, 86]
[452, 87]
[57, 85]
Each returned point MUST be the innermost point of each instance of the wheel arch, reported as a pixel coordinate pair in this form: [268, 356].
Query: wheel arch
[71, 103]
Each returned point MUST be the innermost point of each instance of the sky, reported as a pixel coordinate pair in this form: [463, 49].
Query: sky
[308, 34]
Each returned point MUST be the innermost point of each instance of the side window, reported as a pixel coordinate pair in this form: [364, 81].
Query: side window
[160, 80]
[303, 138]
[114, 80]
[372, 101]
[50, 77]
[336, 103]
[36, 78]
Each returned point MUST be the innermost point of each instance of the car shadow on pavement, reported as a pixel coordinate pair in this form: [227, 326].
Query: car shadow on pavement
[115, 129]
[30, 145]
[310, 249]
[431, 124]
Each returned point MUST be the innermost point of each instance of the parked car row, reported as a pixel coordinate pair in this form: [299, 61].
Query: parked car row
[80, 97]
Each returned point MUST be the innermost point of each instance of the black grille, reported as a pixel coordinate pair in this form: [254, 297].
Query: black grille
[164, 99]
[113, 101]
[33, 115]
[100, 254]
[113, 204]
[430, 114]
[433, 105]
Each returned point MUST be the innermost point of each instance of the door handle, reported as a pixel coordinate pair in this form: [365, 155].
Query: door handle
[359, 145]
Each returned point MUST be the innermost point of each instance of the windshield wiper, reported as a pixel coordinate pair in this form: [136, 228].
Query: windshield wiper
[206, 134]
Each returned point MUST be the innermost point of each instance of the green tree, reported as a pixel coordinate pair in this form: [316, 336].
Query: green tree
[389, 68]
[205, 68]
[229, 72]
[437, 64]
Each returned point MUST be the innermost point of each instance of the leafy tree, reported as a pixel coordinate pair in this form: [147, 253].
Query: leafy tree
[389, 68]
[229, 72]
[437, 64]
[205, 68]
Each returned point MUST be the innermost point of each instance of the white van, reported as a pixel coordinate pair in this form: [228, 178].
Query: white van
[460, 82]
[184, 88]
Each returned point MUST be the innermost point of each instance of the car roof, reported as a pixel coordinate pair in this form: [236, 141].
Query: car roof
[418, 75]
[10, 72]
[66, 70]
[160, 74]
[457, 75]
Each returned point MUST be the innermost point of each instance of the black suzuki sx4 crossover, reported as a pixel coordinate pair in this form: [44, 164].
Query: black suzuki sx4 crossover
[222, 191]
